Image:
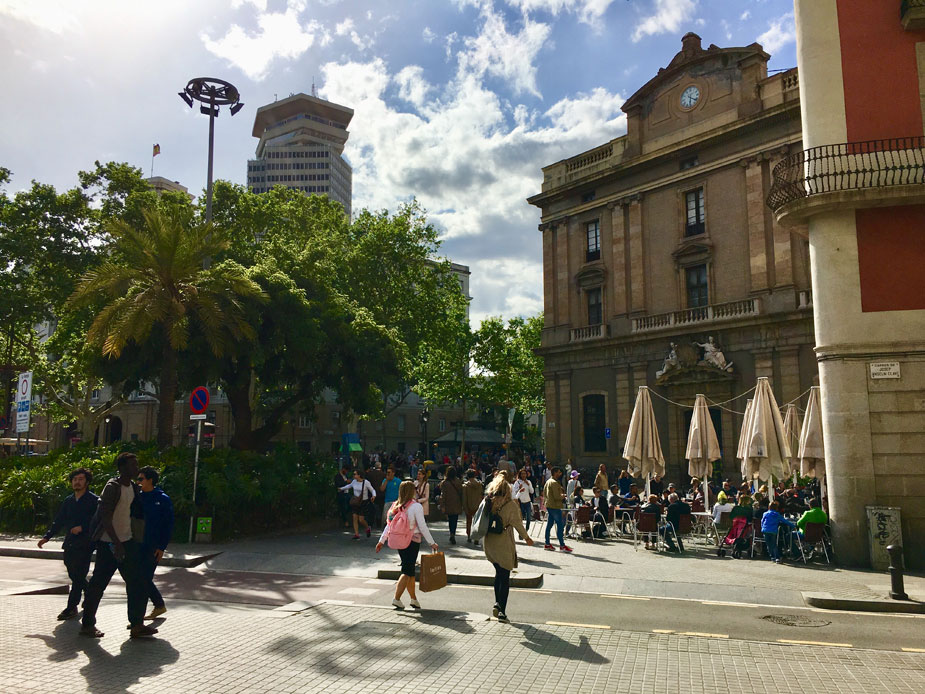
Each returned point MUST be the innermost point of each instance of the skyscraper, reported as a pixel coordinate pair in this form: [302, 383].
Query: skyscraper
[301, 147]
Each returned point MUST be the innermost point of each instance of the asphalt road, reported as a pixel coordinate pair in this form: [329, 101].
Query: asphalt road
[536, 606]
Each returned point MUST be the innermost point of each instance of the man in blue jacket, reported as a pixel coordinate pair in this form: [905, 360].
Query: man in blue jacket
[158, 531]
[74, 518]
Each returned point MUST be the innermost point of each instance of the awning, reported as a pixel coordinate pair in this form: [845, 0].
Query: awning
[354, 447]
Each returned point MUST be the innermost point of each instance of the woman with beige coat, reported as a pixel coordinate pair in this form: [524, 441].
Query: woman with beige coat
[499, 546]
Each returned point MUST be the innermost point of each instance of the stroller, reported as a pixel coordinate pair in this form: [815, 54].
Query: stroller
[737, 539]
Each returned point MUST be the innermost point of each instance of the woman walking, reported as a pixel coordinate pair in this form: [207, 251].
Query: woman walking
[499, 546]
[472, 498]
[422, 490]
[600, 481]
[451, 500]
[416, 528]
[363, 494]
[523, 493]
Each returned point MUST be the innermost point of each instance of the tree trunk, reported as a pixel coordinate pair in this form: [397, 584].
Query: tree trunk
[462, 442]
[238, 393]
[167, 396]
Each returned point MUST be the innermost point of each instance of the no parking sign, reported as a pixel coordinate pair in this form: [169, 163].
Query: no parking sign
[199, 400]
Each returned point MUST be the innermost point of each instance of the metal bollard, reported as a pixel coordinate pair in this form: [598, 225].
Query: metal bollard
[897, 592]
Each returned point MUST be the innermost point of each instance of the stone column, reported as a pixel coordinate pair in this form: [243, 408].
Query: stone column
[636, 257]
[549, 274]
[564, 424]
[562, 275]
[757, 243]
[624, 403]
[552, 419]
[764, 364]
[618, 265]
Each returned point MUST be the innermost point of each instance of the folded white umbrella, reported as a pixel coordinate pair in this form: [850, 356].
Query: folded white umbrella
[741, 449]
[643, 450]
[792, 432]
[767, 447]
[702, 446]
[812, 450]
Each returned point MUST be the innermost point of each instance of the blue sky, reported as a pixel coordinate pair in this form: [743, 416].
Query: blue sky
[457, 102]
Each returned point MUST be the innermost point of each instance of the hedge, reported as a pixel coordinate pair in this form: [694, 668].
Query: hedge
[243, 492]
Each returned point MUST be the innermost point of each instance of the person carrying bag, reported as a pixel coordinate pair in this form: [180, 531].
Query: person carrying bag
[404, 531]
[503, 517]
[363, 493]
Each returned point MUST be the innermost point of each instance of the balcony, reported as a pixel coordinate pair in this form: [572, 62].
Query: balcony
[589, 332]
[912, 14]
[848, 175]
[715, 313]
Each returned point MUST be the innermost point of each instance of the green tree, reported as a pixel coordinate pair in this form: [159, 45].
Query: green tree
[153, 287]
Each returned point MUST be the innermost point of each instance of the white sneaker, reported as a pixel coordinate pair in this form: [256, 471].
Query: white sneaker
[398, 604]
[415, 604]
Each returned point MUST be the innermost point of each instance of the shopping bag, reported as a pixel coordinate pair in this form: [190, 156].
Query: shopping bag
[433, 571]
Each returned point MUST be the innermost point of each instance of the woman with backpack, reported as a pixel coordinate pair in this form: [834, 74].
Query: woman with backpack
[499, 540]
[404, 531]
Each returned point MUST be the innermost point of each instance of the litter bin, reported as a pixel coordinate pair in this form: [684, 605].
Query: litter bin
[885, 528]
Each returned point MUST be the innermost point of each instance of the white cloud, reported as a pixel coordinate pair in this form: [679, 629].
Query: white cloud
[745, 15]
[498, 53]
[471, 158]
[348, 29]
[668, 17]
[52, 15]
[588, 11]
[261, 5]
[428, 35]
[278, 35]
[780, 32]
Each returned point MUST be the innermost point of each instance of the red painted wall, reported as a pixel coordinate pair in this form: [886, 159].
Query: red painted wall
[879, 70]
[891, 257]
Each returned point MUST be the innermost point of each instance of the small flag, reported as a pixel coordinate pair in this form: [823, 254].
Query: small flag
[157, 150]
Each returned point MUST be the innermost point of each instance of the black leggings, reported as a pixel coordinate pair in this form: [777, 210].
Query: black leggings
[409, 557]
[502, 586]
[453, 519]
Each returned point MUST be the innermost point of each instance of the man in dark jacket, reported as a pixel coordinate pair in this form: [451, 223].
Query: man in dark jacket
[676, 509]
[117, 528]
[74, 519]
[158, 530]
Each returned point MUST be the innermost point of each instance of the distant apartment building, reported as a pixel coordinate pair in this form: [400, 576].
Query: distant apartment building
[301, 145]
[165, 185]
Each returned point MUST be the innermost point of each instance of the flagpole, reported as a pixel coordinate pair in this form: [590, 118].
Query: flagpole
[152, 166]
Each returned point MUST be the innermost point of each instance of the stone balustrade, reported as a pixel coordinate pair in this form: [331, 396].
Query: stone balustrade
[713, 313]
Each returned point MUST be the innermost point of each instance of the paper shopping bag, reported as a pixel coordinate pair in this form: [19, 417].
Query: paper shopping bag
[433, 571]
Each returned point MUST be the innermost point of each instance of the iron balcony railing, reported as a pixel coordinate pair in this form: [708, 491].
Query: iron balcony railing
[848, 166]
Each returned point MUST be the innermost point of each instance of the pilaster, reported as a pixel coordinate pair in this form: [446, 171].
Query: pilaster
[618, 250]
[564, 425]
[549, 274]
[636, 258]
[755, 216]
[562, 274]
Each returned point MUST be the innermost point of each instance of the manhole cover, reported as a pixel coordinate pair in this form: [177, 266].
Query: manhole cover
[376, 628]
[791, 620]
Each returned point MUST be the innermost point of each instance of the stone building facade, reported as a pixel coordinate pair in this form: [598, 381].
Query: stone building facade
[658, 241]
[856, 186]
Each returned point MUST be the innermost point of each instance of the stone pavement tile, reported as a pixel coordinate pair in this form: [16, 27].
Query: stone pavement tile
[365, 649]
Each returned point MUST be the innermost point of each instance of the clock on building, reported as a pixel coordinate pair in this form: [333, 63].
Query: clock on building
[690, 97]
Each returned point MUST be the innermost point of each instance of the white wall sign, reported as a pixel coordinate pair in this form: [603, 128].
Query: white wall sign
[23, 402]
[884, 369]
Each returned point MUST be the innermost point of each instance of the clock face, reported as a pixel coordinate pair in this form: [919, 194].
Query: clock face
[690, 97]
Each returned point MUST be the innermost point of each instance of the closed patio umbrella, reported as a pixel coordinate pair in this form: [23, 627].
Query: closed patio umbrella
[643, 450]
[747, 473]
[767, 447]
[702, 446]
[792, 432]
[812, 451]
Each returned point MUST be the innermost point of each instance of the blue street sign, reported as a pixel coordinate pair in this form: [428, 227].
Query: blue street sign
[607, 433]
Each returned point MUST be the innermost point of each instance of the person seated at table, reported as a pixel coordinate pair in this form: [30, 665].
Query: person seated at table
[762, 502]
[578, 496]
[815, 514]
[728, 489]
[676, 509]
[600, 511]
[663, 498]
[724, 504]
[771, 524]
[791, 504]
[743, 508]
[631, 499]
[652, 506]
[656, 485]
[695, 492]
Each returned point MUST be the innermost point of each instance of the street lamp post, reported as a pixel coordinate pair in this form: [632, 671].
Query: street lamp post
[212, 93]
[425, 415]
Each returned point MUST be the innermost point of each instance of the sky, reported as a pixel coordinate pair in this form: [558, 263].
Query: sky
[458, 103]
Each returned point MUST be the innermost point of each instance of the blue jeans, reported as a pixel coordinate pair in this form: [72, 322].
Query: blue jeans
[526, 511]
[554, 515]
[770, 541]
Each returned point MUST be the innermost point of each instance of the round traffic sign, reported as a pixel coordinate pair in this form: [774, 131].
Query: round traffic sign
[199, 400]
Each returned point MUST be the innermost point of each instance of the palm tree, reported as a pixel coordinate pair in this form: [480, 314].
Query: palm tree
[154, 286]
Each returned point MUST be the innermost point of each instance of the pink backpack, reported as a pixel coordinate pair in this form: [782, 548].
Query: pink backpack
[400, 534]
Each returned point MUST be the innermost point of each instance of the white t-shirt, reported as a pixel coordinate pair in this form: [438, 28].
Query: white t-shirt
[122, 516]
[357, 487]
[522, 491]
[719, 509]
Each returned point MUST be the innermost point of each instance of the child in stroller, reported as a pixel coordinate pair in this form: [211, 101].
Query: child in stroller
[737, 539]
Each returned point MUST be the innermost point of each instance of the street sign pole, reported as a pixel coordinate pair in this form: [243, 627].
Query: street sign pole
[195, 477]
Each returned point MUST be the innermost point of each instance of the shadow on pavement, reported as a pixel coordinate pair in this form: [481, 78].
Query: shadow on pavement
[545, 643]
[449, 619]
[106, 671]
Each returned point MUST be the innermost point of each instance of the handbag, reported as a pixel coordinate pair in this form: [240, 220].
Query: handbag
[358, 502]
[433, 572]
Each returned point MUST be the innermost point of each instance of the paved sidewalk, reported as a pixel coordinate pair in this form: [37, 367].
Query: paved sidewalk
[331, 648]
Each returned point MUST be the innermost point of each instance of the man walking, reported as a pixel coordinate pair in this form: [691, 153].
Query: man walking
[555, 495]
[389, 489]
[74, 518]
[118, 548]
[158, 511]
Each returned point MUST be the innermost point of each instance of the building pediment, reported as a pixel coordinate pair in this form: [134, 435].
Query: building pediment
[590, 277]
[689, 251]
